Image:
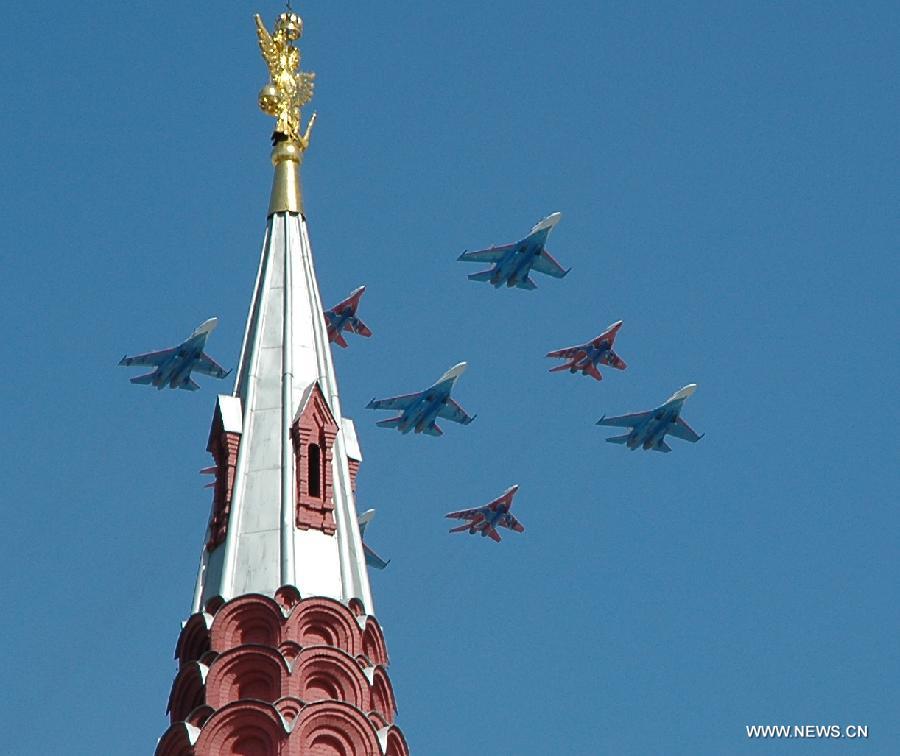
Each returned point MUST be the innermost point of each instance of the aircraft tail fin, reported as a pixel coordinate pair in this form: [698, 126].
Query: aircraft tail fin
[339, 340]
[526, 283]
[558, 368]
[662, 446]
[433, 430]
[484, 275]
[189, 385]
[391, 422]
[144, 380]
[619, 439]
[592, 371]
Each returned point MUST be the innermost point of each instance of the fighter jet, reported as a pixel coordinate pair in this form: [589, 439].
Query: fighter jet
[649, 429]
[372, 559]
[513, 262]
[342, 317]
[420, 410]
[486, 519]
[174, 366]
[585, 358]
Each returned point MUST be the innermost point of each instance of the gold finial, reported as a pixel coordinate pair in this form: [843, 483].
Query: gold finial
[289, 88]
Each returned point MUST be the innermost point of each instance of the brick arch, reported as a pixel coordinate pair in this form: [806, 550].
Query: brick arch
[289, 650]
[198, 716]
[289, 707]
[213, 604]
[176, 741]
[322, 672]
[333, 729]
[373, 642]
[187, 691]
[378, 722]
[383, 700]
[248, 672]
[396, 744]
[248, 619]
[193, 640]
[326, 622]
[243, 728]
[287, 597]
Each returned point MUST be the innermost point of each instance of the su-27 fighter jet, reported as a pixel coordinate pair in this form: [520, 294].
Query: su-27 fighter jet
[513, 262]
[342, 317]
[372, 559]
[420, 410]
[585, 358]
[174, 366]
[486, 519]
[649, 429]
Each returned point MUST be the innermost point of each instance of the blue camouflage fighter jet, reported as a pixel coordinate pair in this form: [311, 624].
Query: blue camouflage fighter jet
[420, 410]
[513, 262]
[649, 429]
[174, 366]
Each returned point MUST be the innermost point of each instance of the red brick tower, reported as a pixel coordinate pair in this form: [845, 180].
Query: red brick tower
[282, 655]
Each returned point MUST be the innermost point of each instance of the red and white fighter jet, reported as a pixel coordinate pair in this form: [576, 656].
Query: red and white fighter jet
[342, 317]
[487, 518]
[585, 358]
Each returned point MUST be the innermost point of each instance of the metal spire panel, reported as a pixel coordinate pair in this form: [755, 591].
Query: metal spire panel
[285, 352]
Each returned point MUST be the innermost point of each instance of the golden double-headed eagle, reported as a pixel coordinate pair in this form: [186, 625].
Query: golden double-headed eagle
[289, 88]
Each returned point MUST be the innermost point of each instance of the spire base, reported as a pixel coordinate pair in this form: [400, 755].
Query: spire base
[287, 196]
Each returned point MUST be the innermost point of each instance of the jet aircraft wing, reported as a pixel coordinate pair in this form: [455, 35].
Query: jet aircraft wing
[357, 326]
[549, 265]
[149, 358]
[352, 301]
[569, 352]
[394, 402]
[208, 366]
[680, 429]
[490, 255]
[508, 521]
[373, 560]
[476, 515]
[616, 361]
[453, 412]
[625, 421]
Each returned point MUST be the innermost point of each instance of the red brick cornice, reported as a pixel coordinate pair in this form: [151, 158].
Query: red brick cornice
[281, 676]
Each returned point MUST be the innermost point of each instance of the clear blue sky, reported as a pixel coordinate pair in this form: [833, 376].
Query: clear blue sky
[727, 174]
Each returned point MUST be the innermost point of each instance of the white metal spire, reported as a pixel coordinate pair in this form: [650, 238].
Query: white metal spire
[284, 354]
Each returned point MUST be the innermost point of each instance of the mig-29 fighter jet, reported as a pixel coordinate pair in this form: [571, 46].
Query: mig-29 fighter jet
[420, 410]
[372, 559]
[174, 366]
[486, 519]
[649, 429]
[342, 317]
[585, 358]
[513, 262]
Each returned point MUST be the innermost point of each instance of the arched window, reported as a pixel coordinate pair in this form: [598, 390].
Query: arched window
[314, 470]
[313, 432]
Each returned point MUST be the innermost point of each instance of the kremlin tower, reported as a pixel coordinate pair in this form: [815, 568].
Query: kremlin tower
[282, 654]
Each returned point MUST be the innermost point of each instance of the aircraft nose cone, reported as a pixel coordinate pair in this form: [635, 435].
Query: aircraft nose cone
[454, 372]
[208, 326]
[549, 222]
[685, 392]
